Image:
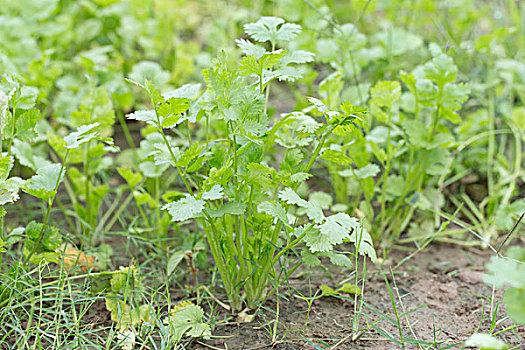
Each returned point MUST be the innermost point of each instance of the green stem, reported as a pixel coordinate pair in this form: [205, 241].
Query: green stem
[88, 204]
[188, 187]
[48, 213]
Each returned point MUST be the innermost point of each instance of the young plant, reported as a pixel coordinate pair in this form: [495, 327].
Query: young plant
[251, 212]
[407, 146]
[510, 271]
[86, 190]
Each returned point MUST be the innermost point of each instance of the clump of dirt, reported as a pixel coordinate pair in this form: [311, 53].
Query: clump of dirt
[439, 295]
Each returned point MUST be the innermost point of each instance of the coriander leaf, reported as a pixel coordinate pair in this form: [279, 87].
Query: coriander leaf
[386, 93]
[321, 199]
[337, 157]
[504, 271]
[132, 178]
[339, 260]
[275, 210]
[42, 185]
[149, 117]
[299, 177]
[289, 196]
[318, 104]
[298, 56]
[369, 170]
[485, 342]
[185, 208]
[441, 69]
[76, 138]
[310, 259]
[257, 174]
[363, 241]
[216, 192]
[191, 153]
[186, 91]
[6, 163]
[317, 242]
[189, 319]
[232, 208]
[337, 227]
[8, 196]
[514, 300]
[266, 29]
[314, 212]
[250, 49]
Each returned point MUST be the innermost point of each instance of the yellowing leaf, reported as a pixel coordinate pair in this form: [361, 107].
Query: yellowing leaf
[74, 259]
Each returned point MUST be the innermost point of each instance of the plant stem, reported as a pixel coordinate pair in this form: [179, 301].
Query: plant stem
[48, 213]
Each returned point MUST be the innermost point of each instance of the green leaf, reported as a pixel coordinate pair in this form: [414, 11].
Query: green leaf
[272, 29]
[418, 135]
[29, 155]
[337, 227]
[6, 163]
[300, 177]
[369, 170]
[298, 57]
[317, 242]
[292, 158]
[322, 199]
[386, 93]
[250, 49]
[275, 210]
[514, 300]
[346, 288]
[441, 69]
[49, 243]
[305, 124]
[318, 104]
[310, 259]
[258, 175]
[216, 192]
[42, 185]
[189, 320]
[452, 97]
[252, 65]
[76, 138]
[149, 117]
[148, 71]
[339, 260]
[505, 272]
[174, 261]
[8, 196]
[96, 107]
[232, 208]
[289, 196]
[484, 341]
[25, 124]
[518, 117]
[314, 212]
[169, 111]
[336, 156]
[190, 154]
[185, 208]
[132, 178]
[507, 215]
[363, 242]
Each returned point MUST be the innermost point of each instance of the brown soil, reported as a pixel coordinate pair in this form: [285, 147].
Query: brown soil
[441, 290]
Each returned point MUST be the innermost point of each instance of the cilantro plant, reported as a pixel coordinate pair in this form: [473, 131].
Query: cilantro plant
[87, 189]
[509, 272]
[405, 148]
[251, 211]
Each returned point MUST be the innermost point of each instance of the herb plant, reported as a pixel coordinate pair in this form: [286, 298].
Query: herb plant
[251, 212]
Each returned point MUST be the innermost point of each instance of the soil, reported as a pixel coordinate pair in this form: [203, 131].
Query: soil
[441, 289]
